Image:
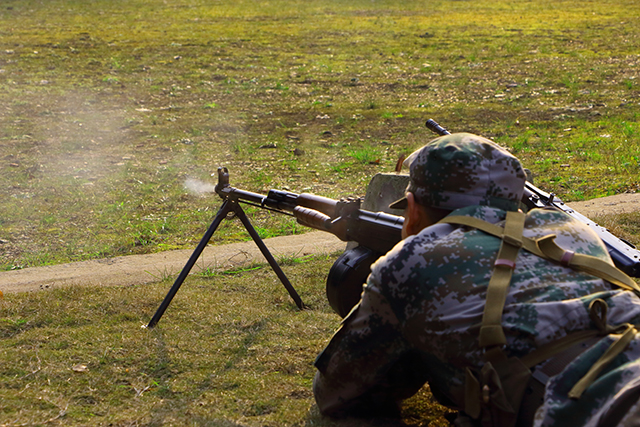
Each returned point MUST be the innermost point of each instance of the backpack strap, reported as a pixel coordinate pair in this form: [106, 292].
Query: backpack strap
[494, 395]
[546, 247]
[491, 332]
[492, 229]
[492, 337]
[587, 263]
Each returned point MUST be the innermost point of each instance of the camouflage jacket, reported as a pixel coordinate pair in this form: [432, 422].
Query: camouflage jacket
[419, 316]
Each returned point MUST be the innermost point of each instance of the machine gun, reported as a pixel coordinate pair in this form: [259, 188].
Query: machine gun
[374, 232]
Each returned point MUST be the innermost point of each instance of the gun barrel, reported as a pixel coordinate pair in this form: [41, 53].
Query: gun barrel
[287, 201]
[282, 201]
[376, 230]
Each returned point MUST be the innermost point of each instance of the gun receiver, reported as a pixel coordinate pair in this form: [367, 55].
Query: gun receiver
[624, 255]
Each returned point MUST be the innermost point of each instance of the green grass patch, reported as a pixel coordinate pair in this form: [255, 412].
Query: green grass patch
[231, 350]
[110, 107]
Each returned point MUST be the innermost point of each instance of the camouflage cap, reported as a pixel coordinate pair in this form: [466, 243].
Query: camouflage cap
[462, 169]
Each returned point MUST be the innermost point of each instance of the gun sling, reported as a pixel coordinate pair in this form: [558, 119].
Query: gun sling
[495, 394]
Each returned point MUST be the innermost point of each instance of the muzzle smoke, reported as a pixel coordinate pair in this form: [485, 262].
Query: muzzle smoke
[199, 188]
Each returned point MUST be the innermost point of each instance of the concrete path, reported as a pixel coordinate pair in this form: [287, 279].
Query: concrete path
[139, 269]
[610, 205]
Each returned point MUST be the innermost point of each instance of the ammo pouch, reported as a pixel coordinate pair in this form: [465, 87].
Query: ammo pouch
[494, 395]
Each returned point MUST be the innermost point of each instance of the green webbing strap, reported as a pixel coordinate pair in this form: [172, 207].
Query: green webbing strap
[615, 349]
[589, 264]
[503, 379]
[491, 333]
[546, 247]
[598, 313]
[552, 348]
[495, 230]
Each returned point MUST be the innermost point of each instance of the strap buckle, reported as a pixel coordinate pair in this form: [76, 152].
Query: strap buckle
[503, 262]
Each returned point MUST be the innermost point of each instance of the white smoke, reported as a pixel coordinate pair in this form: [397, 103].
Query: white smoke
[198, 188]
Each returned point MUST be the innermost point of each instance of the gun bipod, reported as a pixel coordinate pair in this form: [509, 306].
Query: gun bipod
[229, 206]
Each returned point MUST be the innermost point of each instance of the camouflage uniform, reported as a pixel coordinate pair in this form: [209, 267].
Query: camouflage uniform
[421, 309]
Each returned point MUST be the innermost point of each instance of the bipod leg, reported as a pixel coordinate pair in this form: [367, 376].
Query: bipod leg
[222, 213]
[272, 262]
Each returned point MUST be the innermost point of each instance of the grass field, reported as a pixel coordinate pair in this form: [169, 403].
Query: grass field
[110, 108]
[231, 350]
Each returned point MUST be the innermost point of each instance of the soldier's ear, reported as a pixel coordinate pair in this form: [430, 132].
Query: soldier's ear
[417, 216]
[412, 217]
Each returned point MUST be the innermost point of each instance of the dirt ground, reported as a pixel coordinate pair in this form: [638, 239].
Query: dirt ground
[139, 269]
